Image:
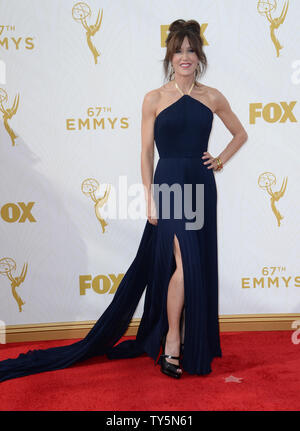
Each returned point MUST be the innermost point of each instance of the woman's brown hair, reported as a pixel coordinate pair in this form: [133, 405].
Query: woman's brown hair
[177, 32]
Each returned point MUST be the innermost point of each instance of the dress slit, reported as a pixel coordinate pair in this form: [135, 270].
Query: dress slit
[181, 134]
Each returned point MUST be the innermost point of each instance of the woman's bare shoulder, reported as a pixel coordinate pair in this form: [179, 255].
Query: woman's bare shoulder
[152, 99]
[156, 93]
[217, 96]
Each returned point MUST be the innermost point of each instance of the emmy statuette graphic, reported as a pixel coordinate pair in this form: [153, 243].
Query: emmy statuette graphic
[8, 113]
[7, 265]
[89, 187]
[265, 7]
[80, 12]
[265, 181]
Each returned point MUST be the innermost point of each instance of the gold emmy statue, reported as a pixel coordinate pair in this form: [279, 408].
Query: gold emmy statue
[89, 187]
[80, 12]
[7, 265]
[265, 7]
[265, 181]
[8, 113]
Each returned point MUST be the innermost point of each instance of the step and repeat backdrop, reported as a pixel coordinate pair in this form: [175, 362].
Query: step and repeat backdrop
[73, 79]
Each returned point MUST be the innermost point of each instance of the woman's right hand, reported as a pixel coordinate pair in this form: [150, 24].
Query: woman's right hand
[151, 211]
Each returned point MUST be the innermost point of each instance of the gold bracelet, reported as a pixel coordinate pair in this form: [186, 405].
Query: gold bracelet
[219, 162]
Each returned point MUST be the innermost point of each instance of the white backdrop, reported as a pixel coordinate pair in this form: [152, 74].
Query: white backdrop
[48, 222]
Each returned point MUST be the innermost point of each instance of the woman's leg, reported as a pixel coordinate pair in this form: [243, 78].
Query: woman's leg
[175, 303]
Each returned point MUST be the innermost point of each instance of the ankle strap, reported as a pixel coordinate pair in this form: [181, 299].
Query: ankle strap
[171, 357]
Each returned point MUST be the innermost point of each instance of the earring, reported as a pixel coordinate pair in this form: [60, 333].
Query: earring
[172, 72]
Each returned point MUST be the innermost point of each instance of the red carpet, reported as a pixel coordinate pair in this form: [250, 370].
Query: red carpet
[267, 364]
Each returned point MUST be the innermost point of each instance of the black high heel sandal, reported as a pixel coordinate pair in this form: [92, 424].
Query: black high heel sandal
[167, 367]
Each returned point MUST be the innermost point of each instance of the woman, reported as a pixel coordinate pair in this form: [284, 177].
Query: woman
[181, 128]
[177, 257]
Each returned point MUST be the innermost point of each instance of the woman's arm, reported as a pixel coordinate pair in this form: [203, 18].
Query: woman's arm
[233, 124]
[147, 150]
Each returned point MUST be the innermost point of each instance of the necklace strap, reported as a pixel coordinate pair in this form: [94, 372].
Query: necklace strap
[177, 86]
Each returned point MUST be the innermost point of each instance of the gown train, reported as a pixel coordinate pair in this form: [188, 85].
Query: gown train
[181, 134]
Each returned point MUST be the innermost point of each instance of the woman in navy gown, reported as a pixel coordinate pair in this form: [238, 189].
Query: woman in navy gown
[176, 260]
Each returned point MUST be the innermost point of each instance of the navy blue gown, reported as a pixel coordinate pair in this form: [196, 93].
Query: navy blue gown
[181, 134]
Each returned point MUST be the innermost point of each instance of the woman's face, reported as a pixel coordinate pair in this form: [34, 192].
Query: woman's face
[185, 59]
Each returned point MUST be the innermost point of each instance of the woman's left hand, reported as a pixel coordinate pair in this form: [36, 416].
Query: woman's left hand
[212, 163]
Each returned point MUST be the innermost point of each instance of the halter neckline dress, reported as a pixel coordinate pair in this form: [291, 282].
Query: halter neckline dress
[181, 134]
